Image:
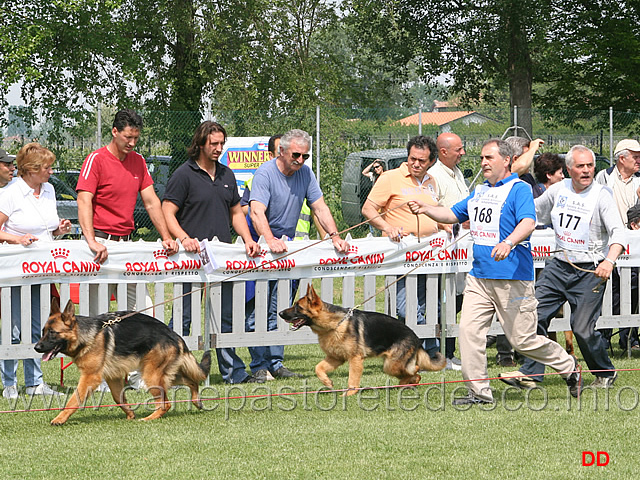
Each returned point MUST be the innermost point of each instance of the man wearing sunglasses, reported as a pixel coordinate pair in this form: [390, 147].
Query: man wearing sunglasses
[7, 167]
[279, 187]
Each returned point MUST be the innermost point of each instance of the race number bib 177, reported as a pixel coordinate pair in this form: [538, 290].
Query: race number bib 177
[571, 216]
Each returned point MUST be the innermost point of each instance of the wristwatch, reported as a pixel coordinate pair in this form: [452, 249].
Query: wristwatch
[508, 242]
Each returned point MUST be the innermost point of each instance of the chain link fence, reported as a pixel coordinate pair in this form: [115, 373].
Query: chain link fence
[338, 133]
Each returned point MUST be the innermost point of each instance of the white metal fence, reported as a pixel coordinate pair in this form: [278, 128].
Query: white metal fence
[207, 333]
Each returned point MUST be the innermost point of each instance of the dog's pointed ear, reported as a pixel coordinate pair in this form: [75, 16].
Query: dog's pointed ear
[69, 314]
[55, 306]
[311, 293]
[70, 309]
[310, 290]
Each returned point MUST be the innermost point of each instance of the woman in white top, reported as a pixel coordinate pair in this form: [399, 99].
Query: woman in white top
[28, 214]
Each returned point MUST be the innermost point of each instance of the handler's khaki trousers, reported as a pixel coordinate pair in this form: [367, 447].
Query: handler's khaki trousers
[514, 303]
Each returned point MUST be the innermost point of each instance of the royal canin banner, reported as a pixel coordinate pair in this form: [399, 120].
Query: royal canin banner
[68, 261]
[543, 247]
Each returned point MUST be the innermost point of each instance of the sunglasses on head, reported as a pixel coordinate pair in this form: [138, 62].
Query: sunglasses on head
[297, 155]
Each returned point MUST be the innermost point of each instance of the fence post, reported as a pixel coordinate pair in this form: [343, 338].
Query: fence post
[318, 143]
[610, 135]
[99, 132]
[420, 120]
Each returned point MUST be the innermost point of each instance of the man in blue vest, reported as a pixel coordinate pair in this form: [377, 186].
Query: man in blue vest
[502, 216]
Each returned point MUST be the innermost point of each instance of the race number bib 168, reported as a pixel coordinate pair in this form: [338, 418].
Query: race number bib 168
[485, 208]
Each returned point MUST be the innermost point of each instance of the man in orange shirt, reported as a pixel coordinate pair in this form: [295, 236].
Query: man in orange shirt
[410, 181]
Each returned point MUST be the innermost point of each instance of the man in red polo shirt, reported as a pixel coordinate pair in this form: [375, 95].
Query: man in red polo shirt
[108, 187]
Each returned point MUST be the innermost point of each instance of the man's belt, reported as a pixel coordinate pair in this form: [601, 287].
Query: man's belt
[108, 236]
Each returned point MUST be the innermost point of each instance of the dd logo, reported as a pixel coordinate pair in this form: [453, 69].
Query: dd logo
[600, 459]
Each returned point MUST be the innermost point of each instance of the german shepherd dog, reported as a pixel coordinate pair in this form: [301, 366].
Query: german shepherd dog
[109, 347]
[354, 337]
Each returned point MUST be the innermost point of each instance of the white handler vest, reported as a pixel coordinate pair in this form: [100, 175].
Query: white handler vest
[484, 209]
[571, 216]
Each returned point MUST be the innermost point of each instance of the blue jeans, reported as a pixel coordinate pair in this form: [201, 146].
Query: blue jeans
[269, 357]
[431, 345]
[32, 370]
[231, 366]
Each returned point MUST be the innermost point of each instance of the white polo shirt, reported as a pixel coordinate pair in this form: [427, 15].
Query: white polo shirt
[451, 185]
[28, 214]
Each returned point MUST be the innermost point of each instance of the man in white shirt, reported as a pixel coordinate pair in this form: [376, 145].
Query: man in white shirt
[451, 184]
[624, 177]
[451, 189]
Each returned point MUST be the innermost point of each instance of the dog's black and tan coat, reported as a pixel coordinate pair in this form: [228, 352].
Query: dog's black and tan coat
[111, 345]
[352, 337]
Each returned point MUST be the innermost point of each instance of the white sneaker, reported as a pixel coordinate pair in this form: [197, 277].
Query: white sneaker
[42, 389]
[453, 364]
[10, 392]
[103, 387]
[136, 381]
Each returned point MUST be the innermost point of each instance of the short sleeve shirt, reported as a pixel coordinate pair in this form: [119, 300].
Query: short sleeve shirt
[283, 195]
[396, 187]
[28, 214]
[517, 206]
[115, 185]
[204, 205]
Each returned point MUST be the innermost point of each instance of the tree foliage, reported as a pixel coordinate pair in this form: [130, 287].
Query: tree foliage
[579, 54]
[275, 57]
[180, 54]
[479, 47]
[597, 43]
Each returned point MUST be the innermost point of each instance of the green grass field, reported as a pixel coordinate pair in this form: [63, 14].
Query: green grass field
[380, 433]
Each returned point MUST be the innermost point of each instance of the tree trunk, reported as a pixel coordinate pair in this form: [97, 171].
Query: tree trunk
[186, 94]
[520, 77]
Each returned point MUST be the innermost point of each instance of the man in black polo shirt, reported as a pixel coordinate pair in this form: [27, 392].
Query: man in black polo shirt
[201, 201]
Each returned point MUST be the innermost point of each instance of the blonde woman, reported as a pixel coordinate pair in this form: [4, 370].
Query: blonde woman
[28, 214]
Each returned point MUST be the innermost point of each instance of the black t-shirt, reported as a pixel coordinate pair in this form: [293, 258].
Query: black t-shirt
[203, 204]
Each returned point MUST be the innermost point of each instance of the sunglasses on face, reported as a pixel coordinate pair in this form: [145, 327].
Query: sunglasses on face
[297, 155]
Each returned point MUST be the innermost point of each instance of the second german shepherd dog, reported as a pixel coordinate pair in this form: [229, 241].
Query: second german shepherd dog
[109, 347]
[354, 337]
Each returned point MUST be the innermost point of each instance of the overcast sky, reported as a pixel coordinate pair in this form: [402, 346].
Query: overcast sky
[14, 96]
